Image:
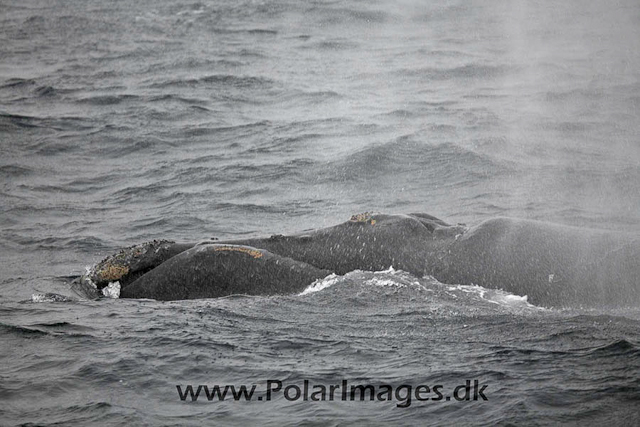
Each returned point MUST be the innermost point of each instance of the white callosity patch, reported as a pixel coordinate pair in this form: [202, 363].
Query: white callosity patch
[112, 290]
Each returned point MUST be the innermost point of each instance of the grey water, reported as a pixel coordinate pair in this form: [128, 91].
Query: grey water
[127, 121]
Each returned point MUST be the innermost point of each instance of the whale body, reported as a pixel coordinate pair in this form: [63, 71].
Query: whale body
[553, 265]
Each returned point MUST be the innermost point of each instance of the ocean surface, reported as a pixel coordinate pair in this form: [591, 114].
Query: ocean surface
[127, 121]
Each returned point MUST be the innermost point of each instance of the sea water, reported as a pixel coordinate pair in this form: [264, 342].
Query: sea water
[128, 121]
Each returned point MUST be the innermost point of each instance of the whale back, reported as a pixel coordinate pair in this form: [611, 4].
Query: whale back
[216, 270]
[366, 242]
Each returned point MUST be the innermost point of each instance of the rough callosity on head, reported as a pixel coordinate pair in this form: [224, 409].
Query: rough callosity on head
[363, 217]
[133, 259]
[111, 272]
[255, 253]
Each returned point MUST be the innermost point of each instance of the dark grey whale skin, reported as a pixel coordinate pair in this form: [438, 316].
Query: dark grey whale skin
[554, 265]
[213, 270]
[405, 242]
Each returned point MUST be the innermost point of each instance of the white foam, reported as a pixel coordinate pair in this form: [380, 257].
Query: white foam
[321, 284]
[470, 289]
[512, 300]
[88, 272]
[376, 281]
[494, 296]
[389, 270]
[39, 298]
[50, 297]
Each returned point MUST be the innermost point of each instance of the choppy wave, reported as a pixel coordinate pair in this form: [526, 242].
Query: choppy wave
[427, 290]
[416, 159]
[222, 80]
[123, 122]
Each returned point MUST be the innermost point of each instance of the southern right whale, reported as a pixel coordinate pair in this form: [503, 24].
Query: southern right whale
[554, 265]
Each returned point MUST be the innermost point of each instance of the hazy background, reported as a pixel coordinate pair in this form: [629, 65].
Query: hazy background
[125, 121]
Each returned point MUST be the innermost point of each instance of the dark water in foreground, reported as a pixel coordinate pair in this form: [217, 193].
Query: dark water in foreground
[127, 121]
[119, 361]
